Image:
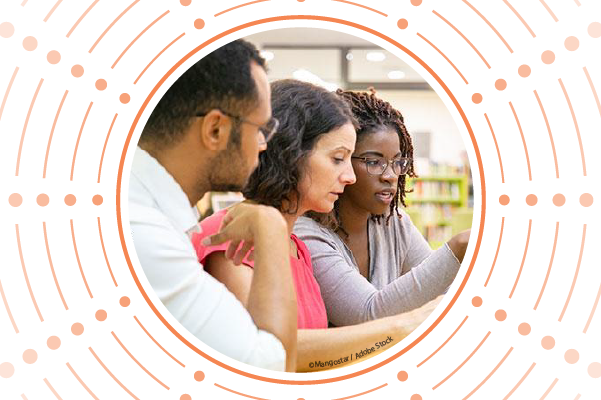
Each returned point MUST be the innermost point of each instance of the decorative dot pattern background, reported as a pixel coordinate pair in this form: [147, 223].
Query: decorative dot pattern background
[523, 82]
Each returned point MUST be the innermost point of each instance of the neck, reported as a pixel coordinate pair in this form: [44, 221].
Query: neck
[353, 219]
[176, 161]
[290, 220]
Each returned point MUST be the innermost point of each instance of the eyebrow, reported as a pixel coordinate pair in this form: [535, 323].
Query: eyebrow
[343, 148]
[376, 154]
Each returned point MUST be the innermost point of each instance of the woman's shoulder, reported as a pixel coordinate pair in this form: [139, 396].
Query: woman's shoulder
[208, 226]
[305, 226]
[315, 236]
[211, 224]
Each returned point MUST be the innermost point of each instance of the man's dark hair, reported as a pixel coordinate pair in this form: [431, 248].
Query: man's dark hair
[221, 80]
[306, 112]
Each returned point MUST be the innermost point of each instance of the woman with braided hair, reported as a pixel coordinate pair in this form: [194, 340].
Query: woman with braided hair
[369, 259]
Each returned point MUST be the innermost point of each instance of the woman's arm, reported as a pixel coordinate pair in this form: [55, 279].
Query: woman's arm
[321, 349]
[351, 299]
[271, 282]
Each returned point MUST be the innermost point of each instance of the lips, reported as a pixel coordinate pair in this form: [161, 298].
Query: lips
[386, 195]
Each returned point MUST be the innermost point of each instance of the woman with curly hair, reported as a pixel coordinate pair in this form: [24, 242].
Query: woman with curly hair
[369, 259]
[305, 167]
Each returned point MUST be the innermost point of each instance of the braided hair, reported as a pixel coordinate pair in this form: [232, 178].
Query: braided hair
[373, 114]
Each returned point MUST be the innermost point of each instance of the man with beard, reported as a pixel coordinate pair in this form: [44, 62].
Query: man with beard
[205, 134]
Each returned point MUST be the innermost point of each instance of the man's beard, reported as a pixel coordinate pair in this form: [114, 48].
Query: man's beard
[229, 173]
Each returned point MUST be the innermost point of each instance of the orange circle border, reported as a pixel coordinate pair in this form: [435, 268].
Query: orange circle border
[315, 18]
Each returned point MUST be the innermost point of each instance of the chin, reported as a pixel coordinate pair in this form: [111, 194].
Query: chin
[324, 208]
[379, 209]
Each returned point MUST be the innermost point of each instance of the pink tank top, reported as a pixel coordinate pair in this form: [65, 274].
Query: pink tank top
[311, 308]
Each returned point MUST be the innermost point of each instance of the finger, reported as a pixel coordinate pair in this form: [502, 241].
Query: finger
[241, 253]
[227, 218]
[213, 240]
[231, 249]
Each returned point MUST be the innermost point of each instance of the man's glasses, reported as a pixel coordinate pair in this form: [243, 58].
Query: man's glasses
[267, 130]
[377, 165]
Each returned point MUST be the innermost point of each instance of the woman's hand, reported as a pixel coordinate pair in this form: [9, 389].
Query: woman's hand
[243, 224]
[458, 244]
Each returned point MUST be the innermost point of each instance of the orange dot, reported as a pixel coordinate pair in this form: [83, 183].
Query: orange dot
[101, 84]
[524, 71]
[70, 199]
[586, 200]
[30, 43]
[42, 200]
[501, 84]
[548, 57]
[15, 200]
[402, 23]
[416, 2]
[402, 376]
[97, 200]
[7, 30]
[30, 356]
[77, 329]
[571, 356]
[547, 342]
[500, 315]
[199, 376]
[524, 329]
[77, 70]
[477, 98]
[531, 200]
[572, 43]
[594, 370]
[415, 397]
[124, 98]
[185, 397]
[594, 30]
[199, 23]
[185, 3]
[477, 301]
[559, 199]
[124, 301]
[300, 1]
[503, 199]
[53, 57]
[7, 370]
[100, 315]
[53, 342]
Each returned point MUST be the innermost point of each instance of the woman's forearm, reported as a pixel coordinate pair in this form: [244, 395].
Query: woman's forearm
[321, 349]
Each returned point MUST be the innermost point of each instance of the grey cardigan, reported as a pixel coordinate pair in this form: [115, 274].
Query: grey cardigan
[404, 272]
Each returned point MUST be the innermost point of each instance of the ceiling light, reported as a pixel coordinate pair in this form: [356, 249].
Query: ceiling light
[267, 55]
[396, 74]
[375, 56]
[349, 56]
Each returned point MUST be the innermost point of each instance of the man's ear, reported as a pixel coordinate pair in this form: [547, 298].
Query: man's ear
[214, 130]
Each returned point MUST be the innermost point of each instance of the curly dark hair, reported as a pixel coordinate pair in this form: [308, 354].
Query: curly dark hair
[374, 114]
[306, 112]
[220, 80]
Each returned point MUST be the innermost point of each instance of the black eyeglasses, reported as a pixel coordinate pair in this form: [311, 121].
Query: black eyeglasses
[267, 130]
[377, 165]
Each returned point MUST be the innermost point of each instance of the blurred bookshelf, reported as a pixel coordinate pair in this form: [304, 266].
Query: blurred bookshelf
[440, 202]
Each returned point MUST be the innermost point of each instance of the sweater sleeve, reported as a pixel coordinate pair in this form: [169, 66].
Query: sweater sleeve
[351, 299]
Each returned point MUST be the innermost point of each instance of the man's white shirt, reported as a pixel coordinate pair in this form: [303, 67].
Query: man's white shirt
[162, 221]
